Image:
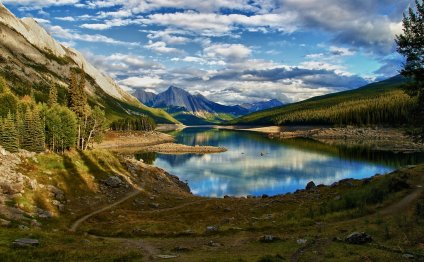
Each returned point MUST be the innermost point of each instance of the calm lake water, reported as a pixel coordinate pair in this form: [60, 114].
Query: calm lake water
[256, 165]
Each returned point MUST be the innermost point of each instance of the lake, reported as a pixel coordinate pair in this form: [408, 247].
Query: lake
[255, 164]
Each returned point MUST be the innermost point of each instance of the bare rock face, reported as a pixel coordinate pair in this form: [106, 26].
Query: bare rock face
[27, 36]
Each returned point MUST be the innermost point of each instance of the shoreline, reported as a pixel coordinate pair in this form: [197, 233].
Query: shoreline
[152, 142]
[379, 138]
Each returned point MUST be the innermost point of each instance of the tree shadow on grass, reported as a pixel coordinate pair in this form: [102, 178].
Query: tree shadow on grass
[73, 178]
[92, 166]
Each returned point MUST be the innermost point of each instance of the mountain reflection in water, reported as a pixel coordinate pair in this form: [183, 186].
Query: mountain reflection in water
[256, 165]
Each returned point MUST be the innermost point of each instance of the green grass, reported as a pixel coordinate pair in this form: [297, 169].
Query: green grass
[372, 91]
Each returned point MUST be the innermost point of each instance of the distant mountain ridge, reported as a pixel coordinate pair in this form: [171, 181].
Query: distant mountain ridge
[30, 56]
[263, 105]
[175, 97]
[176, 100]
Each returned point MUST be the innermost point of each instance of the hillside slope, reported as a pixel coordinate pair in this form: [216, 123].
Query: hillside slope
[372, 92]
[30, 58]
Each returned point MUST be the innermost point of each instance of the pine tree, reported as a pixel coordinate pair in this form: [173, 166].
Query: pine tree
[410, 44]
[4, 88]
[78, 104]
[38, 132]
[52, 95]
[9, 134]
[27, 132]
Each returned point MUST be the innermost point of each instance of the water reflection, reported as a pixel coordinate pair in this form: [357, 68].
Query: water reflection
[255, 164]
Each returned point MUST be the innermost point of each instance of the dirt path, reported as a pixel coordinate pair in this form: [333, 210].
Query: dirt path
[404, 202]
[394, 208]
[77, 223]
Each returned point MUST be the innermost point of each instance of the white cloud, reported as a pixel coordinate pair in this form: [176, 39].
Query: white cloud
[66, 18]
[68, 34]
[161, 47]
[212, 24]
[228, 52]
[141, 82]
[37, 4]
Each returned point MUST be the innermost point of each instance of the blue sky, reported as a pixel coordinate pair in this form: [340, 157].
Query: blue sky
[231, 51]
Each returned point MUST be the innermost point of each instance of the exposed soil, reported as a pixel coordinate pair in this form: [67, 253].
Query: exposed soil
[152, 142]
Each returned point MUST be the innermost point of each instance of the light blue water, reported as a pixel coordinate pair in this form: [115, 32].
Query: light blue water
[256, 165]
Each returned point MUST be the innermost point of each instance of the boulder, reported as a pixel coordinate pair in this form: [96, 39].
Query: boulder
[113, 182]
[154, 205]
[211, 229]
[268, 239]
[25, 242]
[358, 238]
[310, 185]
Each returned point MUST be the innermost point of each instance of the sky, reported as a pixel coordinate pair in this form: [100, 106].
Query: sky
[231, 51]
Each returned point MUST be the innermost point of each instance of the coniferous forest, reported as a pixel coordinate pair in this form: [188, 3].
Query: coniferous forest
[36, 127]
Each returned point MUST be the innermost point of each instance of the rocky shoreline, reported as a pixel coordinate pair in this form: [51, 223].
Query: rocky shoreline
[172, 148]
[152, 142]
[380, 139]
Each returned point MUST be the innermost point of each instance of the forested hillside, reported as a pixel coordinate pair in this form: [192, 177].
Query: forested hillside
[382, 103]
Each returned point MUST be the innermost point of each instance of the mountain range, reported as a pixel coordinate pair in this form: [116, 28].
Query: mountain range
[31, 57]
[189, 108]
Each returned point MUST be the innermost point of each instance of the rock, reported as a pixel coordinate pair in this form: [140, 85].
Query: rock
[43, 213]
[301, 241]
[268, 239]
[4, 223]
[408, 256]
[3, 152]
[23, 227]
[227, 196]
[154, 205]
[338, 197]
[113, 182]
[265, 196]
[35, 223]
[211, 229]
[25, 242]
[213, 244]
[358, 238]
[33, 184]
[310, 185]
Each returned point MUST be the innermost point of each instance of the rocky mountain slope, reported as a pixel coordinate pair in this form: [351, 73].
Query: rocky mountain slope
[263, 105]
[177, 99]
[197, 109]
[29, 56]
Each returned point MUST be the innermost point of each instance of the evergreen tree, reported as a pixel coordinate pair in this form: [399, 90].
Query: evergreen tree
[411, 45]
[9, 134]
[52, 94]
[27, 133]
[78, 104]
[4, 88]
[33, 132]
[8, 103]
[38, 132]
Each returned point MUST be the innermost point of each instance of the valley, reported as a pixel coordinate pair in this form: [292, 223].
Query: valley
[181, 131]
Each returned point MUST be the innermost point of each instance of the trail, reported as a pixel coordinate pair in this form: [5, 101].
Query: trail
[77, 223]
[394, 208]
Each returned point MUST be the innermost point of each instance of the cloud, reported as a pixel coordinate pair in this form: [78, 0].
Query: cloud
[69, 34]
[227, 52]
[141, 82]
[66, 18]
[124, 65]
[213, 24]
[161, 47]
[37, 4]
